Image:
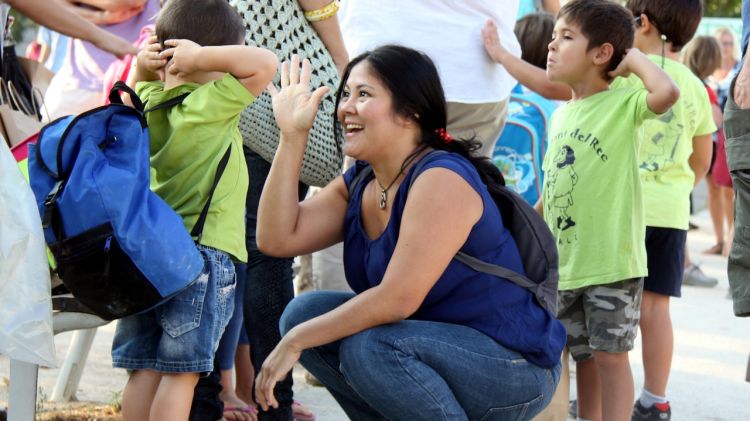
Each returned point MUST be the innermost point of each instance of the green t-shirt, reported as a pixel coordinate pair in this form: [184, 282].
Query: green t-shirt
[667, 145]
[187, 143]
[592, 193]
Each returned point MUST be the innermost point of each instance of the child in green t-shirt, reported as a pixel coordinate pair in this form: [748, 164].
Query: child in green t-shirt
[198, 50]
[592, 195]
[675, 155]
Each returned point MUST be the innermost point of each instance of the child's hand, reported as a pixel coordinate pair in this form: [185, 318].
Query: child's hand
[184, 56]
[149, 61]
[625, 68]
[492, 42]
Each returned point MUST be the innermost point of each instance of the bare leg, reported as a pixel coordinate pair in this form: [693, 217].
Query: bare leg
[588, 384]
[174, 396]
[658, 342]
[245, 373]
[716, 209]
[727, 194]
[228, 395]
[138, 394]
[616, 385]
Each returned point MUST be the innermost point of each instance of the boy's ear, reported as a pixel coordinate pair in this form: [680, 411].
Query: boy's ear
[645, 24]
[603, 53]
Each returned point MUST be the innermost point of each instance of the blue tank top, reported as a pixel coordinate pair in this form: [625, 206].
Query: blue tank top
[495, 306]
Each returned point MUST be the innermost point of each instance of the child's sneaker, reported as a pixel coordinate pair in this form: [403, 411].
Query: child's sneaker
[657, 412]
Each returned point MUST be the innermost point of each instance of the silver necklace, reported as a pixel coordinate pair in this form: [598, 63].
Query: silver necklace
[384, 190]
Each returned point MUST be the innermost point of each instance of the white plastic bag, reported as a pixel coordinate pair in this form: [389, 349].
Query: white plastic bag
[25, 297]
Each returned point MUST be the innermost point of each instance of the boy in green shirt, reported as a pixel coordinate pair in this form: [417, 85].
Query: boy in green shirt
[674, 157]
[198, 50]
[592, 195]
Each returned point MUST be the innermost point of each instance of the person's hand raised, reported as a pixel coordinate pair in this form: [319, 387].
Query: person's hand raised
[294, 106]
[492, 44]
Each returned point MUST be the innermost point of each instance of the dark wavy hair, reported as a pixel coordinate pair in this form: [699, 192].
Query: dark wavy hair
[417, 94]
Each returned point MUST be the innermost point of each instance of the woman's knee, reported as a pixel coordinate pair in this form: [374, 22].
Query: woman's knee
[364, 352]
[310, 305]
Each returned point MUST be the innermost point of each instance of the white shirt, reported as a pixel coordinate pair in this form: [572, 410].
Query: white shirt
[449, 31]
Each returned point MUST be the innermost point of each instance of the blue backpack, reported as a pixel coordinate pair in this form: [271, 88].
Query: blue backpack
[520, 149]
[120, 249]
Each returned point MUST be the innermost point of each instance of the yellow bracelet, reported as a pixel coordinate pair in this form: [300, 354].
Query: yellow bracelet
[323, 13]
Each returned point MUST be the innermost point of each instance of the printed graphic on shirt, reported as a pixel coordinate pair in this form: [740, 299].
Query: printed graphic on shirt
[561, 183]
[662, 139]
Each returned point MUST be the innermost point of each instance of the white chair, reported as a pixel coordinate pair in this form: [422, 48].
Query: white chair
[68, 314]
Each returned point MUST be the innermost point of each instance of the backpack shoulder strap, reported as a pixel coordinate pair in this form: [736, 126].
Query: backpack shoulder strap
[197, 230]
[479, 265]
[168, 103]
[493, 269]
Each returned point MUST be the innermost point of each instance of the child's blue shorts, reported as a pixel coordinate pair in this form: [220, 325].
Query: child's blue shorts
[182, 334]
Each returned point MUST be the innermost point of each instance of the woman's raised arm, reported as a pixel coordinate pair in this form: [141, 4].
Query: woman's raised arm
[287, 227]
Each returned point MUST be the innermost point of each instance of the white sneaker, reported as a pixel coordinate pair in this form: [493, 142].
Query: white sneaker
[694, 276]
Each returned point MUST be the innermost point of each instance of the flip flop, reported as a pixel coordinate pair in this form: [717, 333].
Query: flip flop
[250, 409]
[301, 412]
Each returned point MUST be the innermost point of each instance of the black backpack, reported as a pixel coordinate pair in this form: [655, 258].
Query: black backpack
[536, 244]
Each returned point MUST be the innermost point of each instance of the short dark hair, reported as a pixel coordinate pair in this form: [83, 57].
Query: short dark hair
[534, 32]
[675, 19]
[205, 22]
[702, 56]
[602, 21]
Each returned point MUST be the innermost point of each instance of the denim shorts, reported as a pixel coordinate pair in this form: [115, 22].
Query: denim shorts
[180, 335]
[601, 317]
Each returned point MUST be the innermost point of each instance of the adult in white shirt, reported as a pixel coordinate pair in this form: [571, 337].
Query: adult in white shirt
[449, 31]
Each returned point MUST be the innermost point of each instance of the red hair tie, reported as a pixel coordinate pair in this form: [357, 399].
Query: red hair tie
[443, 134]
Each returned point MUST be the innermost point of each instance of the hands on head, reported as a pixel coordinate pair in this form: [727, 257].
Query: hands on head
[179, 59]
[625, 68]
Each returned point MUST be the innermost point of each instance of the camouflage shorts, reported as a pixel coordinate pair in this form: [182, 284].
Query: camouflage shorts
[601, 317]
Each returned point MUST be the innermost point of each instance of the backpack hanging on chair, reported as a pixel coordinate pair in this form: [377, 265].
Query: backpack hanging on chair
[120, 249]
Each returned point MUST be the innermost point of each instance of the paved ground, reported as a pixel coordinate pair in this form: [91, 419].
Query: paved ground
[707, 383]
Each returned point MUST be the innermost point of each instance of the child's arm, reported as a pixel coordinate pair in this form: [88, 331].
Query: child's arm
[662, 92]
[253, 67]
[525, 73]
[539, 207]
[700, 159]
[149, 64]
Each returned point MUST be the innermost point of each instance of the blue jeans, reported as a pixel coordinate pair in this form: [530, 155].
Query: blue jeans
[421, 370]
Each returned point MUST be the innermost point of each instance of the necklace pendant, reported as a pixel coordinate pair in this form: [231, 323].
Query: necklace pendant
[383, 198]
